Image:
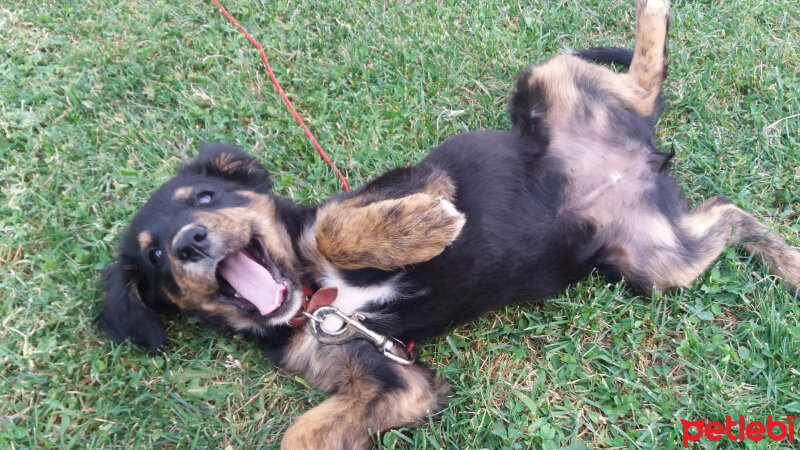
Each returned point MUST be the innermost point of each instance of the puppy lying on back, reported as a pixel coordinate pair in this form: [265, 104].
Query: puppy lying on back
[487, 219]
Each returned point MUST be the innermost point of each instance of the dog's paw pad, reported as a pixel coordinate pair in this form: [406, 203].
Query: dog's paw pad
[657, 8]
[657, 5]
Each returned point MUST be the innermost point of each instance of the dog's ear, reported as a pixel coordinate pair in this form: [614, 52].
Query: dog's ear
[123, 314]
[229, 162]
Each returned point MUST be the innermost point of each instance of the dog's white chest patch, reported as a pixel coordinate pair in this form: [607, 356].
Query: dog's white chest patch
[353, 298]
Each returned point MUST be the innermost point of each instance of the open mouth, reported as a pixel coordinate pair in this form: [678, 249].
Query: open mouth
[249, 279]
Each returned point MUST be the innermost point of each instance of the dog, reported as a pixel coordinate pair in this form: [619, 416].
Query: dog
[487, 219]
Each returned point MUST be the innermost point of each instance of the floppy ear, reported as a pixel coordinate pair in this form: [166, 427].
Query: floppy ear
[229, 162]
[123, 314]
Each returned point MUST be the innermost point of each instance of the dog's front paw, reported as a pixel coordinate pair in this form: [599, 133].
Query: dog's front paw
[389, 234]
[446, 222]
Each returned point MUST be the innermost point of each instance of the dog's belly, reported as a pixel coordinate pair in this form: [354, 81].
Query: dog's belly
[537, 220]
[622, 189]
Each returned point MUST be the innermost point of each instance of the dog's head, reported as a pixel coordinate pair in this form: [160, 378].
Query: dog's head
[211, 241]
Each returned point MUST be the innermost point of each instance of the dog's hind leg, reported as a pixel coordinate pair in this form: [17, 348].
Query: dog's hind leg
[567, 89]
[718, 222]
[698, 238]
[649, 67]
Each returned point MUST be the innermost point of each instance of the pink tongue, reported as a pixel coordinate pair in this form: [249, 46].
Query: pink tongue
[252, 281]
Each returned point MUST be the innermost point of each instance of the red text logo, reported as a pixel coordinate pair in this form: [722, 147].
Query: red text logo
[737, 430]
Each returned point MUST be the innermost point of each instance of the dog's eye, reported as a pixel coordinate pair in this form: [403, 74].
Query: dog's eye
[155, 256]
[204, 198]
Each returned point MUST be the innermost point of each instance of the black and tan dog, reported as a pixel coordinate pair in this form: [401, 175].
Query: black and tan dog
[487, 219]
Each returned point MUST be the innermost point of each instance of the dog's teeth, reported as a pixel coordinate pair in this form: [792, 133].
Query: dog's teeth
[237, 295]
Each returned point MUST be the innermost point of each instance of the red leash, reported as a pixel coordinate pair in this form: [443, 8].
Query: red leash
[327, 298]
[288, 103]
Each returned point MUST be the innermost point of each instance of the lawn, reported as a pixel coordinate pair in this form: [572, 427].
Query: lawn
[99, 101]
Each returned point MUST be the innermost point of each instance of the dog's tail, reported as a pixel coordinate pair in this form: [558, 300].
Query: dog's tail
[615, 55]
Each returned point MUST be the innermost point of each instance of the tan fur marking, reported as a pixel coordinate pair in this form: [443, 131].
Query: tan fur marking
[647, 70]
[186, 302]
[144, 239]
[359, 406]
[440, 186]
[652, 22]
[304, 354]
[258, 217]
[315, 263]
[370, 231]
[388, 234]
[182, 193]
[725, 224]
[657, 229]
[173, 298]
[226, 164]
[192, 279]
[713, 225]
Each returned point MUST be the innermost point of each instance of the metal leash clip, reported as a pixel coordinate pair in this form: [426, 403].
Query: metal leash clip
[354, 328]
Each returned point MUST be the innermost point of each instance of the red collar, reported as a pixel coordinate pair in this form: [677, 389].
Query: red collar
[313, 301]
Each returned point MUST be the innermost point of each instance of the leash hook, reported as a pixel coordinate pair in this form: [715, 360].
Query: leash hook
[354, 328]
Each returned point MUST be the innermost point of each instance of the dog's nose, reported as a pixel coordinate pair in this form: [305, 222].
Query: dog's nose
[192, 243]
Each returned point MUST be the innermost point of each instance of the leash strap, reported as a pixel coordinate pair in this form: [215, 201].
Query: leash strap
[281, 92]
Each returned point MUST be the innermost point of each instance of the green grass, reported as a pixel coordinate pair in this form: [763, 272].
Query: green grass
[99, 101]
